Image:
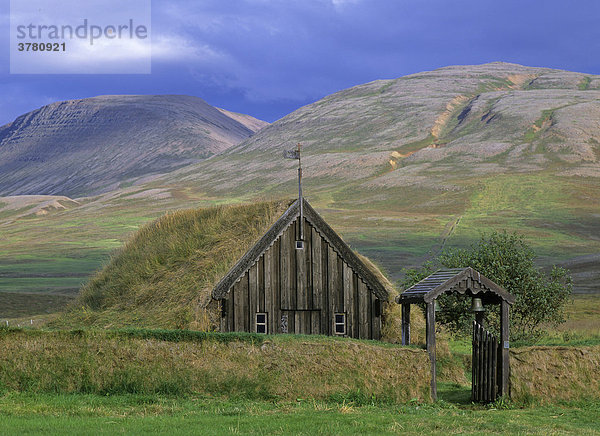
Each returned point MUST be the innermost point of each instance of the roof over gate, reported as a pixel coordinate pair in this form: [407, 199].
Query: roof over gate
[245, 263]
[462, 280]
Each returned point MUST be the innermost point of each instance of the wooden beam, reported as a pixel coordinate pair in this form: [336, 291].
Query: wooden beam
[325, 295]
[505, 344]
[348, 293]
[287, 268]
[364, 328]
[430, 327]
[268, 283]
[405, 323]
[317, 284]
[261, 285]
[252, 294]
[301, 274]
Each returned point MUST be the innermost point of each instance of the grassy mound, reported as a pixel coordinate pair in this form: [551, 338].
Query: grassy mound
[163, 276]
[547, 374]
[232, 365]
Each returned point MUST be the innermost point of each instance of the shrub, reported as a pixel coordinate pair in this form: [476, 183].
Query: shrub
[509, 261]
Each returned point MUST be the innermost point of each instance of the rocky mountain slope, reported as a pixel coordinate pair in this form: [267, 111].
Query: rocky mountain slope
[411, 165]
[423, 128]
[401, 168]
[82, 147]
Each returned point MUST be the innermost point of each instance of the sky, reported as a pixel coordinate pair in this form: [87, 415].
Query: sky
[267, 58]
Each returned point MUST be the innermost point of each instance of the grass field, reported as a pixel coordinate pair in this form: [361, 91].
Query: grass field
[136, 414]
[242, 411]
[44, 259]
[398, 227]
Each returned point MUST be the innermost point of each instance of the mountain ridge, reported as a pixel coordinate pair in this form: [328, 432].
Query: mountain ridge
[86, 146]
[399, 167]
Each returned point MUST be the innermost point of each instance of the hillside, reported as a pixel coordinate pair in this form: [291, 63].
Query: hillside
[418, 130]
[82, 147]
[400, 168]
[409, 165]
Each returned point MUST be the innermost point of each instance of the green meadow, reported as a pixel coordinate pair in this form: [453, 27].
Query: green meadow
[151, 414]
[45, 259]
[55, 253]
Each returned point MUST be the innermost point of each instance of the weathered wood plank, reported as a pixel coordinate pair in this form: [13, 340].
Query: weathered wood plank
[308, 263]
[276, 287]
[301, 276]
[504, 344]
[286, 269]
[306, 322]
[315, 320]
[238, 307]
[223, 319]
[326, 312]
[268, 289]
[430, 333]
[332, 285]
[356, 303]
[230, 323]
[495, 369]
[364, 330]
[482, 363]
[486, 364]
[261, 285]
[317, 288]
[375, 316]
[245, 306]
[405, 324]
[297, 322]
[348, 300]
[474, 365]
[293, 269]
[340, 284]
[252, 294]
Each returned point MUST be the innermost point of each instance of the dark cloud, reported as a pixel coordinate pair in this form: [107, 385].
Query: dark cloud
[267, 58]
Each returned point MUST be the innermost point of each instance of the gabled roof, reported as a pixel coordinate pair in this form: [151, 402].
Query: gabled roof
[245, 263]
[461, 280]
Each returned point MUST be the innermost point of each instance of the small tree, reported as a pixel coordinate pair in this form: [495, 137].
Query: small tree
[507, 260]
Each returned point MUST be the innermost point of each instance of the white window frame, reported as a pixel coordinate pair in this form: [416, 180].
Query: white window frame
[336, 324]
[265, 324]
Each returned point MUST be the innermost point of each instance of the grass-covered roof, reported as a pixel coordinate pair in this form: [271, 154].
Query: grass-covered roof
[163, 276]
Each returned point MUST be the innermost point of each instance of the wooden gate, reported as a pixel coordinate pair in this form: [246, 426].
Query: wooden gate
[485, 365]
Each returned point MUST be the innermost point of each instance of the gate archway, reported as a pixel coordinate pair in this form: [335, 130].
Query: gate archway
[467, 282]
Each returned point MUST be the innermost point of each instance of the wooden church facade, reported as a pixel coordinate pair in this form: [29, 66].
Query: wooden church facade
[314, 284]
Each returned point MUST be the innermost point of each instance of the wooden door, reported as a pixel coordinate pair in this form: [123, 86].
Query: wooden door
[301, 322]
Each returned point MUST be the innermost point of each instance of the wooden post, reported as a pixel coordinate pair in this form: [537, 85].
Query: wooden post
[430, 333]
[474, 363]
[405, 323]
[504, 343]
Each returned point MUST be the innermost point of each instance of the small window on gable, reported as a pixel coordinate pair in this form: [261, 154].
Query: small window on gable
[299, 245]
[261, 323]
[339, 323]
